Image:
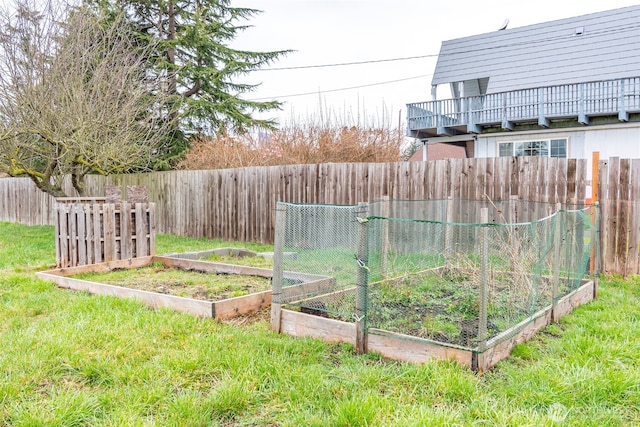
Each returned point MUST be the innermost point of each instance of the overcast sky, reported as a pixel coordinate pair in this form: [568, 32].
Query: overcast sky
[338, 31]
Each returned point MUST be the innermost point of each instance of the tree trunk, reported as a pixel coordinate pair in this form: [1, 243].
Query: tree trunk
[172, 88]
[77, 180]
[47, 187]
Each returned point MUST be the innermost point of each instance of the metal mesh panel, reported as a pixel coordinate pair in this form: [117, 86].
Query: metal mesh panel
[319, 259]
[425, 270]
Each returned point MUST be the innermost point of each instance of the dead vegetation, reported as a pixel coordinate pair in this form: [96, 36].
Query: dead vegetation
[297, 144]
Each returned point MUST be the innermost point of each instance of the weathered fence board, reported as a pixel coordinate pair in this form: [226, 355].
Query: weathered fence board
[619, 195]
[94, 233]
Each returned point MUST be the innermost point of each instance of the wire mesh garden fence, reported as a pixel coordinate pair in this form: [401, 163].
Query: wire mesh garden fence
[458, 273]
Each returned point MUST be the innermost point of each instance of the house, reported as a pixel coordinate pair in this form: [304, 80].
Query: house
[564, 88]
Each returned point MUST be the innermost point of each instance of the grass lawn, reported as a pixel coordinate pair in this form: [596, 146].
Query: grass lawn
[69, 358]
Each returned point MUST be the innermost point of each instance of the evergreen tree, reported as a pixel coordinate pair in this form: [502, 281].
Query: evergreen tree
[193, 39]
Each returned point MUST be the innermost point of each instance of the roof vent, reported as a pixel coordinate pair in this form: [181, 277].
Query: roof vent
[578, 31]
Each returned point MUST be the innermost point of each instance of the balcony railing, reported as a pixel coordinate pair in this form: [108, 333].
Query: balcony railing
[580, 101]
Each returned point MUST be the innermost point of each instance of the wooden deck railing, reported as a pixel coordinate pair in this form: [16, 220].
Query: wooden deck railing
[581, 101]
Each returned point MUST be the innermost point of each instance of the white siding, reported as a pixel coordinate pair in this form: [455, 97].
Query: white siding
[547, 54]
[623, 142]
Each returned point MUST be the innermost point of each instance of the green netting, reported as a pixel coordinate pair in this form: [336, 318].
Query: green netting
[428, 270]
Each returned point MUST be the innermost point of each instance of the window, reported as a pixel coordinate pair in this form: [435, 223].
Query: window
[539, 148]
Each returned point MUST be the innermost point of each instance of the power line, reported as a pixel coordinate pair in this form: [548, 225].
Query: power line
[341, 89]
[342, 64]
[457, 52]
[544, 40]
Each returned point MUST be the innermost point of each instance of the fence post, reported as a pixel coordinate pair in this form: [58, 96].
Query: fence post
[363, 279]
[448, 232]
[595, 176]
[484, 278]
[385, 237]
[595, 244]
[556, 263]
[513, 208]
[278, 273]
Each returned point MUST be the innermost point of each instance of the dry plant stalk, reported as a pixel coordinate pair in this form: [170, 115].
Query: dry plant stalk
[520, 246]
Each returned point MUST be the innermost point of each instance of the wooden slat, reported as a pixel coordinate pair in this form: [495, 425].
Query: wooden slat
[569, 302]
[126, 233]
[571, 195]
[634, 219]
[151, 237]
[603, 189]
[98, 230]
[409, 349]
[82, 234]
[65, 259]
[501, 350]
[141, 230]
[72, 229]
[624, 205]
[307, 325]
[214, 267]
[102, 266]
[233, 307]
[88, 221]
[58, 236]
[109, 232]
[561, 182]
[612, 207]
[489, 184]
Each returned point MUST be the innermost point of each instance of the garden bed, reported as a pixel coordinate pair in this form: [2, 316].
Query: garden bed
[222, 303]
[218, 306]
[420, 345]
[160, 278]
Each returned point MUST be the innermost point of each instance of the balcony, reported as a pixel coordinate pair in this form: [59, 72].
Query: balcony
[540, 106]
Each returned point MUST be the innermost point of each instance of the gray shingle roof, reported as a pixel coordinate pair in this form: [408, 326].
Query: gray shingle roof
[546, 54]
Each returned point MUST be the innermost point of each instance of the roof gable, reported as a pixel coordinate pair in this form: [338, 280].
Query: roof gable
[593, 47]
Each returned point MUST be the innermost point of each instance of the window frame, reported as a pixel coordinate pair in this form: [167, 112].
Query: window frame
[539, 147]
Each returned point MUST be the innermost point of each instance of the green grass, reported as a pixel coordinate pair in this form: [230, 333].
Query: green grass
[250, 261]
[72, 359]
[168, 244]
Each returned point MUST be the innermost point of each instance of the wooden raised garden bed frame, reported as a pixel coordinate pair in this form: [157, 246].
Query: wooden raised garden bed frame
[222, 309]
[419, 350]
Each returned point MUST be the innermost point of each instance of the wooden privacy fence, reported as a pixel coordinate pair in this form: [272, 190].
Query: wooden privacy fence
[88, 233]
[239, 204]
[619, 195]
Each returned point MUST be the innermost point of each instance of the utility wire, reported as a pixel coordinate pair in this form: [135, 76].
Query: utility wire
[549, 39]
[341, 89]
[453, 52]
[342, 64]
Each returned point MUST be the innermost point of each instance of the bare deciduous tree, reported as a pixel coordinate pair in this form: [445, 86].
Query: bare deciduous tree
[74, 97]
